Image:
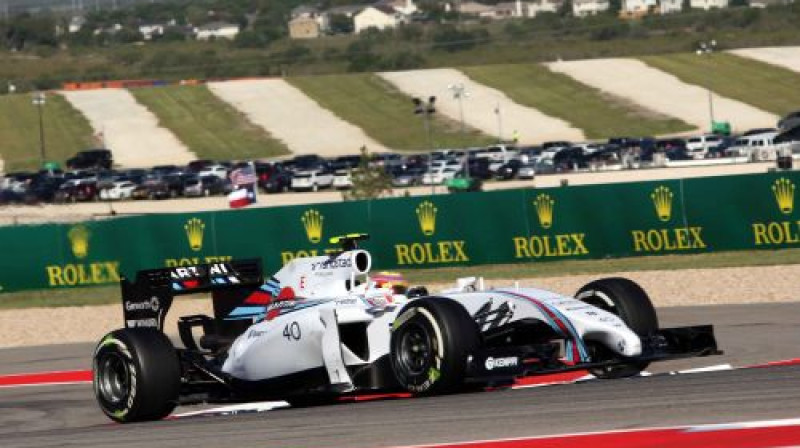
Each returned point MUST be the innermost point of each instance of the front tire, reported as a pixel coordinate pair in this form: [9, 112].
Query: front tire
[137, 375]
[430, 343]
[631, 303]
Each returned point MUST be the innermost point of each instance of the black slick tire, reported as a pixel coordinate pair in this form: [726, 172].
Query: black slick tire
[631, 303]
[136, 375]
[431, 341]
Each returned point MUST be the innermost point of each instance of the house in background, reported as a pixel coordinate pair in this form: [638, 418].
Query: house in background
[536, 7]
[376, 16]
[708, 4]
[307, 23]
[216, 30]
[638, 8]
[583, 8]
[670, 6]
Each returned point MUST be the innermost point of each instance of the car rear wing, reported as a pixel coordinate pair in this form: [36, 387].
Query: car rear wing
[146, 300]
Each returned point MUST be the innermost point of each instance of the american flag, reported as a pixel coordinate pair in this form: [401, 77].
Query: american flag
[244, 176]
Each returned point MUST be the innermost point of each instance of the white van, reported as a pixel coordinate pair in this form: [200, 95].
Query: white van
[698, 147]
[757, 147]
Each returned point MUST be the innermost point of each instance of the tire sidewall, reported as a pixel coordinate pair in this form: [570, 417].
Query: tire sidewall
[116, 344]
[418, 317]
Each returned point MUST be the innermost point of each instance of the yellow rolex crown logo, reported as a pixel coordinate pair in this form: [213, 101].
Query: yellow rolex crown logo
[194, 233]
[544, 209]
[783, 189]
[662, 200]
[79, 240]
[312, 222]
[426, 214]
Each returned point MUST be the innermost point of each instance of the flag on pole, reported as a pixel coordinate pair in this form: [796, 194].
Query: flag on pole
[244, 181]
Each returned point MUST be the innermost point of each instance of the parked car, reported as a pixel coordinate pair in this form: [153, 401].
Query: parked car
[219, 171]
[195, 166]
[698, 147]
[153, 187]
[273, 177]
[119, 190]
[76, 190]
[342, 179]
[91, 159]
[757, 147]
[312, 180]
[526, 171]
[203, 186]
[407, 177]
[439, 175]
[508, 170]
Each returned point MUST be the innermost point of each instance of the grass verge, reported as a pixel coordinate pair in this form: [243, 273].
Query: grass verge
[66, 131]
[211, 128]
[765, 86]
[384, 113]
[110, 294]
[599, 115]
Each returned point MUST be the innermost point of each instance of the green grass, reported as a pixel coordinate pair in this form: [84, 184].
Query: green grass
[66, 131]
[383, 112]
[767, 87]
[110, 294]
[599, 115]
[208, 126]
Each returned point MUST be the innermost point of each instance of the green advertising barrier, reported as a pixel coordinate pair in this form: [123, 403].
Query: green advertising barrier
[523, 225]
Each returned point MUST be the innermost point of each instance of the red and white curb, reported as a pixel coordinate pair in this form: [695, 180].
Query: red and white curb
[754, 434]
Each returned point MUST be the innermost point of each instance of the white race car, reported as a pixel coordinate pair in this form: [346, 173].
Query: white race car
[322, 328]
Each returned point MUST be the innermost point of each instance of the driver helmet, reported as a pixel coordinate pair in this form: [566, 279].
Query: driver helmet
[391, 280]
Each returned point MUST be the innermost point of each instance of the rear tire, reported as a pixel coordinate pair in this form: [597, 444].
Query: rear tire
[631, 303]
[137, 375]
[430, 342]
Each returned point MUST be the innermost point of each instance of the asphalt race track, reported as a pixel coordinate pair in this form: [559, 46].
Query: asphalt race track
[67, 415]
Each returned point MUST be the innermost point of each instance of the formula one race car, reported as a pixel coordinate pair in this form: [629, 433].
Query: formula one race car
[322, 328]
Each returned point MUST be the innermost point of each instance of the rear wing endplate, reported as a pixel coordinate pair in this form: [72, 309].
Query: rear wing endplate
[146, 300]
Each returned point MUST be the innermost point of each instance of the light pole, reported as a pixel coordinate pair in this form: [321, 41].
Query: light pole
[426, 109]
[706, 48]
[499, 114]
[39, 101]
[459, 93]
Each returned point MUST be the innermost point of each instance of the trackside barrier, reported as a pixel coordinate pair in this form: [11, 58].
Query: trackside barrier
[523, 225]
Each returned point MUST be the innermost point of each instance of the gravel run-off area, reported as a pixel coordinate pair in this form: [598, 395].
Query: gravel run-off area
[485, 108]
[787, 57]
[666, 288]
[664, 93]
[129, 129]
[290, 116]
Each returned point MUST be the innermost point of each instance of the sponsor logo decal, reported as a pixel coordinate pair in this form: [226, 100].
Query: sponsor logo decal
[75, 274]
[501, 363]
[79, 240]
[545, 245]
[152, 305]
[662, 200]
[667, 239]
[194, 233]
[430, 252]
[779, 233]
[426, 215]
[312, 223]
[544, 210]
